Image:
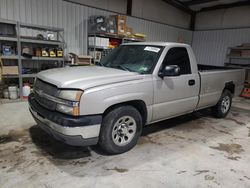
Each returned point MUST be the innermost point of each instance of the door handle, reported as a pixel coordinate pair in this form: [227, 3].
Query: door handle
[191, 82]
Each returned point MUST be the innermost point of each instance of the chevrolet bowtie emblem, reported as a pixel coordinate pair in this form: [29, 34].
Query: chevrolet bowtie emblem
[40, 92]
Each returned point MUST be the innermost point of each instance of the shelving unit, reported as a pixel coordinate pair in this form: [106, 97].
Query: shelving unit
[10, 60]
[43, 58]
[234, 53]
[8, 38]
[9, 57]
[32, 41]
[102, 48]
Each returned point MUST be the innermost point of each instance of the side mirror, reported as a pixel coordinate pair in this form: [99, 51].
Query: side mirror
[171, 70]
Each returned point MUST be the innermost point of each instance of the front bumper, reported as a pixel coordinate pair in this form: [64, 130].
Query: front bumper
[76, 131]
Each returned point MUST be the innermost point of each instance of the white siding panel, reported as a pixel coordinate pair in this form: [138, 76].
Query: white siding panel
[159, 32]
[211, 46]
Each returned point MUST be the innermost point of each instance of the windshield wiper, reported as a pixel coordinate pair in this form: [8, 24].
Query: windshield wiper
[100, 63]
[122, 67]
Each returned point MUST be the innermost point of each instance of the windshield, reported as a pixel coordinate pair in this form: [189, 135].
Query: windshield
[134, 58]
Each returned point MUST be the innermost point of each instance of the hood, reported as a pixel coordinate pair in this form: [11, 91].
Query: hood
[84, 77]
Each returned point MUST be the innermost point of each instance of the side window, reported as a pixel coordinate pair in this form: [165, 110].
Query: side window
[178, 56]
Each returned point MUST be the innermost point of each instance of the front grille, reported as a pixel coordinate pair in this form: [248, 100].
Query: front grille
[45, 102]
[46, 88]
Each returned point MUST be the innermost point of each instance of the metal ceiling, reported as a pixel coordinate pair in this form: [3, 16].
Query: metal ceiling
[203, 5]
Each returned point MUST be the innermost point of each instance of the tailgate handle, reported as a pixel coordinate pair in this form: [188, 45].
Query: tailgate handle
[191, 82]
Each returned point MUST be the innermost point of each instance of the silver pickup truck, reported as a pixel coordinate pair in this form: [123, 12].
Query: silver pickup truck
[135, 85]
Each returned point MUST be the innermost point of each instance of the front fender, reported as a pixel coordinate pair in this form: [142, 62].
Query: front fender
[98, 101]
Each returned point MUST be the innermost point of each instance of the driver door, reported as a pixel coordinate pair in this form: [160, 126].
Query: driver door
[175, 95]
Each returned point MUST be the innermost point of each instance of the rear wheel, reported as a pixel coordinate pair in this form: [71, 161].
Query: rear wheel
[121, 129]
[222, 108]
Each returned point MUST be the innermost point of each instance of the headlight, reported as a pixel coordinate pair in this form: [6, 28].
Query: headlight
[71, 110]
[71, 106]
[71, 95]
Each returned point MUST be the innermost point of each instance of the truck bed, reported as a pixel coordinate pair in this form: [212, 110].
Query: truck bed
[208, 68]
[213, 80]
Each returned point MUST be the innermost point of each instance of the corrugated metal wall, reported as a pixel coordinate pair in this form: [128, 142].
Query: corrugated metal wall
[211, 46]
[73, 18]
[159, 32]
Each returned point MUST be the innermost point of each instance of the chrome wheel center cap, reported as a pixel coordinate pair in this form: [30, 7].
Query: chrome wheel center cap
[124, 130]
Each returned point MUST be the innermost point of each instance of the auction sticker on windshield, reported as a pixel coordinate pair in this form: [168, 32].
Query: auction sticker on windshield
[152, 49]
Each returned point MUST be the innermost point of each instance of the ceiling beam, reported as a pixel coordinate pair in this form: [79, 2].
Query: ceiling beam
[129, 7]
[192, 21]
[224, 6]
[179, 5]
[197, 2]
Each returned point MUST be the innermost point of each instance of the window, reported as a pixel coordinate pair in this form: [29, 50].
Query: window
[178, 56]
[134, 58]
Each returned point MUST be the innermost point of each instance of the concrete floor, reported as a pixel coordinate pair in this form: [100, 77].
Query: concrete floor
[191, 151]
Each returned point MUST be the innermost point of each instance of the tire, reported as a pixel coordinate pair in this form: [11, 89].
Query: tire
[222, 108]
[120, 130]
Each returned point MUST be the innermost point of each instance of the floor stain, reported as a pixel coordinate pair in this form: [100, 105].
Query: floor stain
[236, 121]
[148, 140]
[229, 148]
[178, 137]
[198, 172]
[53, 149]
[17, 155]
[120, 170]
[192, 125]
[20, 149]
[236, 114]
[13, 136]
[208, 177]
[225, 132]
[181, 172]
[221, 131]
[248, 131]
[247, 177]
[216, 182]
[234, 158]
[65, 162]
[232, 170]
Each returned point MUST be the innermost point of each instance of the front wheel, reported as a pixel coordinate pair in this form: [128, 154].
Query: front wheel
[121, 129]
[222, 108]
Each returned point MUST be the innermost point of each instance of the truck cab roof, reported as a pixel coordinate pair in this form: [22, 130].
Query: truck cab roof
[159, 44]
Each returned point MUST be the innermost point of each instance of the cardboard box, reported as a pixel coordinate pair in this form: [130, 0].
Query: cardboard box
[112, 30]
[105, 42]
[111, 21]
[10, 70]
[235, 53]
[121, 30]
[97, 55]
[129, 31]
[98, 41]
[245, 53]
[84, 60]
[96, 19]
[120, 19]
[97, 28]
[245, 45]
[91, 41]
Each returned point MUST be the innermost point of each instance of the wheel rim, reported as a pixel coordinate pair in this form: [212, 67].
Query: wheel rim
[124, 130]
[225, 105]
